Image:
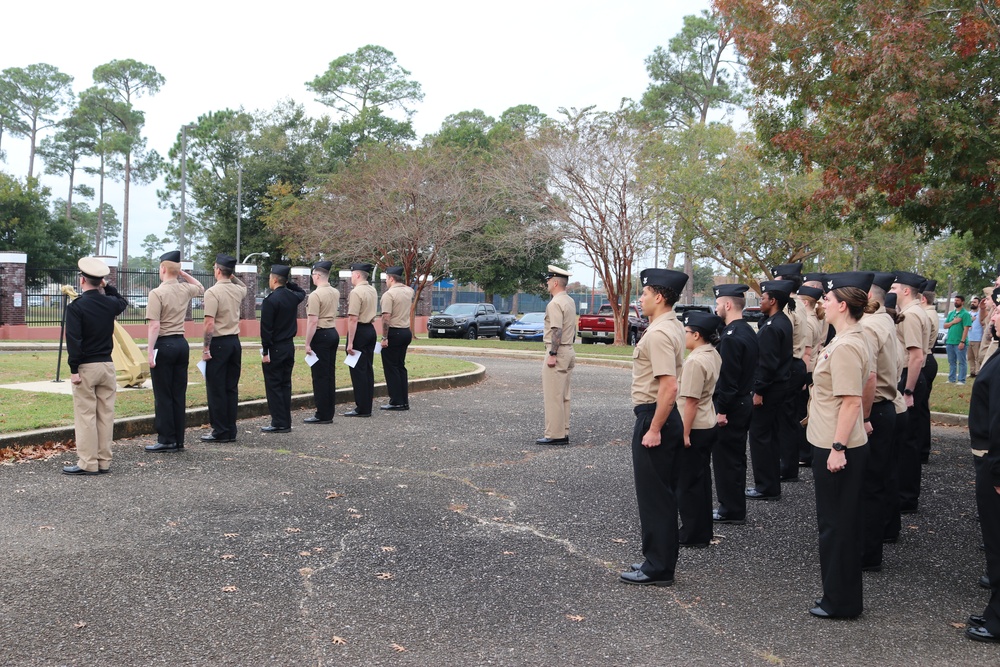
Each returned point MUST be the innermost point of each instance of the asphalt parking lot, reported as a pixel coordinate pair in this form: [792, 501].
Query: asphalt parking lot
[445, 536]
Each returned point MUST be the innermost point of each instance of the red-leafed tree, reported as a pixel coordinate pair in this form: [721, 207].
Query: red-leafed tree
[896, 101]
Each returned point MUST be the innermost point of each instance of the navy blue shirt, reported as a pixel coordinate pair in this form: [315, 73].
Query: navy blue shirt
[90, 326]
[738, 349]
[774, 353]
[278, 316]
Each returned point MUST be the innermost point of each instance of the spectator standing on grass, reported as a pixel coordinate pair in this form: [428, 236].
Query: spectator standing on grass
[977, 307]
[90, 327]
[957, 324]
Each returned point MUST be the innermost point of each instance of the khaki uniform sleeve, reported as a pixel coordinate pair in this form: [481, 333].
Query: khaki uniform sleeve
[849, 369]
[153, 306]
[211, 303]
[693, 379]
[662, 355]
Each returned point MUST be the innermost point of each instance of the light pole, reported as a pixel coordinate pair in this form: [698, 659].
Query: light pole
[246, 260]
[184, 147]
[239, 207]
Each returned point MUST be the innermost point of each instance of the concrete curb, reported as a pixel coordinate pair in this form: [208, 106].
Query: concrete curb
[130, 427]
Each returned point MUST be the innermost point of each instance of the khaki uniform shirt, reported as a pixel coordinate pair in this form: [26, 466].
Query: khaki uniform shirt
[914, 327]
[902, 360]
[168, 304]
[841, 370]
[813, 340]
[222, 301]
[701, 372]
[800, 329]
[930, 314]
[323, 303]
[659, 352]
[881, 333]
[560, 313]
[397, 301]
[363, 303]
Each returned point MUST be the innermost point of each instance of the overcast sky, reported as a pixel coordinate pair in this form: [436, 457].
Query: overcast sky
[215, 55]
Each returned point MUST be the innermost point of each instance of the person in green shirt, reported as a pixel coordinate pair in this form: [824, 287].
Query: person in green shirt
[957, 324]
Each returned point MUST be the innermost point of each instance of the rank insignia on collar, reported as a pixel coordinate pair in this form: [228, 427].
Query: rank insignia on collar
[768, 323]
[729, 333]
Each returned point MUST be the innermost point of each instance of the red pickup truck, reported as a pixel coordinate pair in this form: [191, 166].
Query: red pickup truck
[600, 327]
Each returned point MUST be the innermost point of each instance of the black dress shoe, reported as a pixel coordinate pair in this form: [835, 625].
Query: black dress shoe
[552, 441]
[635, 567]
[981, 634]
[163, 447]
[805, 464]
[316, 420]
[754, 494]
[907, 510]
[390, 406]
[275, 429]
[718, 518]
[978, 621]
[640, 578]
[984, 581]
[790, 480]
[871, 568]
[819, 612]
[103, 471]
[212, 438]
[77, 470]
[890, 540]
[355, 413]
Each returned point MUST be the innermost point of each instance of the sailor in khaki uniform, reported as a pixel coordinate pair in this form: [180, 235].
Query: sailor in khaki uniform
[808, 297]
[322, 339]
[928, 301]
[222, 351]
[700, 373]
[559, 334]
[891, 511]
[90, 330]
[658, 434]
[880, 420]
[396, 337]
[837, 433]
[169, 350]
[913, 385]
[362, 307]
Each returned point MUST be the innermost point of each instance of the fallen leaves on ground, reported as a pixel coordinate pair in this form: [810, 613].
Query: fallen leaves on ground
[576, 618]
[227, 556]
[339, 641]
[397, 648]
[385, 576]
[46, 528]
[330, 495]
[293, 530]
[618, 540]
[35, 452]
[305, 571]
[388, 549]
[458, 507]
[958, 626]
[285, 493]
[305, 553]
[229, 589]
[230, 536]
[79, 625]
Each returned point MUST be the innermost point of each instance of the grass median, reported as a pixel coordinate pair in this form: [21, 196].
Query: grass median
[25, 410]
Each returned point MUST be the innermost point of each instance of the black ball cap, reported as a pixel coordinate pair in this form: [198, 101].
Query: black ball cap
[172, 256]
[793, 269]
[361, 266]
[884, 280]
[814, 277]
[281, 270]
[812, 292]
[226, 261]
[674, 280]
[706, 322]
[731, 289]
[996, 296]
[396, 271]
[323, 265]
[890, 300]
[910, 279]
[860, 279]
[930, 285]
[784, 286]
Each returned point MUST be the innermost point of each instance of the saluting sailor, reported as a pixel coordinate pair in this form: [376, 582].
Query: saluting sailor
[222, 351]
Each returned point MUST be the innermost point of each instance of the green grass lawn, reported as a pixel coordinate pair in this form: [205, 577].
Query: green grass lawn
[23, 410]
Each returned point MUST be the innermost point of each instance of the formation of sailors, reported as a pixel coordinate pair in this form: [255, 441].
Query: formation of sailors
[836, 377]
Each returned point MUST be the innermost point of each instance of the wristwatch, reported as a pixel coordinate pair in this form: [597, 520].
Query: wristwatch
[908, 392]
[553, 353]
[839, 446]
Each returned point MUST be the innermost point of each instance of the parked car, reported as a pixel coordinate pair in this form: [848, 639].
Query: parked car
[753, 315]
[34, 301]
[939, 347]
[600, 327]
[138, 301]
[468, 320]
[682, 308]
[531, 326]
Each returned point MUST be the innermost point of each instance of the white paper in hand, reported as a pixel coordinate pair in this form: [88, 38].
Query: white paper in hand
[378, 346]
[352, 359]
[311, 359]
[202, 365]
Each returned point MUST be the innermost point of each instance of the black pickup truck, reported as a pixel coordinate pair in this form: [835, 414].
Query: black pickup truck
[468, 320]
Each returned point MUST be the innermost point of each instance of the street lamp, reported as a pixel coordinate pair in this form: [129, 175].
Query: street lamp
[246, 260]
[184, 145]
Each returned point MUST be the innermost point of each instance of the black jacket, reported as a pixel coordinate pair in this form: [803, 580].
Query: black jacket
[774, 353]
[278, 316]
[738, 349]
[90, 326]
[984, 415]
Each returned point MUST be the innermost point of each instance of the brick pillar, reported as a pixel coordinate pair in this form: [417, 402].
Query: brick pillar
[425, 303]
[301, 275]
[112, 262]
[248, 274]
[344, 286]
[13, 288]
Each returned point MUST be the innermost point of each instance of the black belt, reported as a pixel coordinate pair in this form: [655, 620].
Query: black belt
[399, 328]
[170, 336]
[366, 323]
[326, 328]
[226, 336]
[644, 408]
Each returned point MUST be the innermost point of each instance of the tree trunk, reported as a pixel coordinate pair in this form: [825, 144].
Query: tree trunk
[100, 212]
[69, 196]
[31, 155]
[128, 176]
[513, 303]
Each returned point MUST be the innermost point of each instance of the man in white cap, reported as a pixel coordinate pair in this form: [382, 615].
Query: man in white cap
[90, 328]
[560, 332]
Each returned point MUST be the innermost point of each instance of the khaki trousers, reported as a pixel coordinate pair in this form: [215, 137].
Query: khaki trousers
[94, 415]
[972, 353]
[555, 389]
